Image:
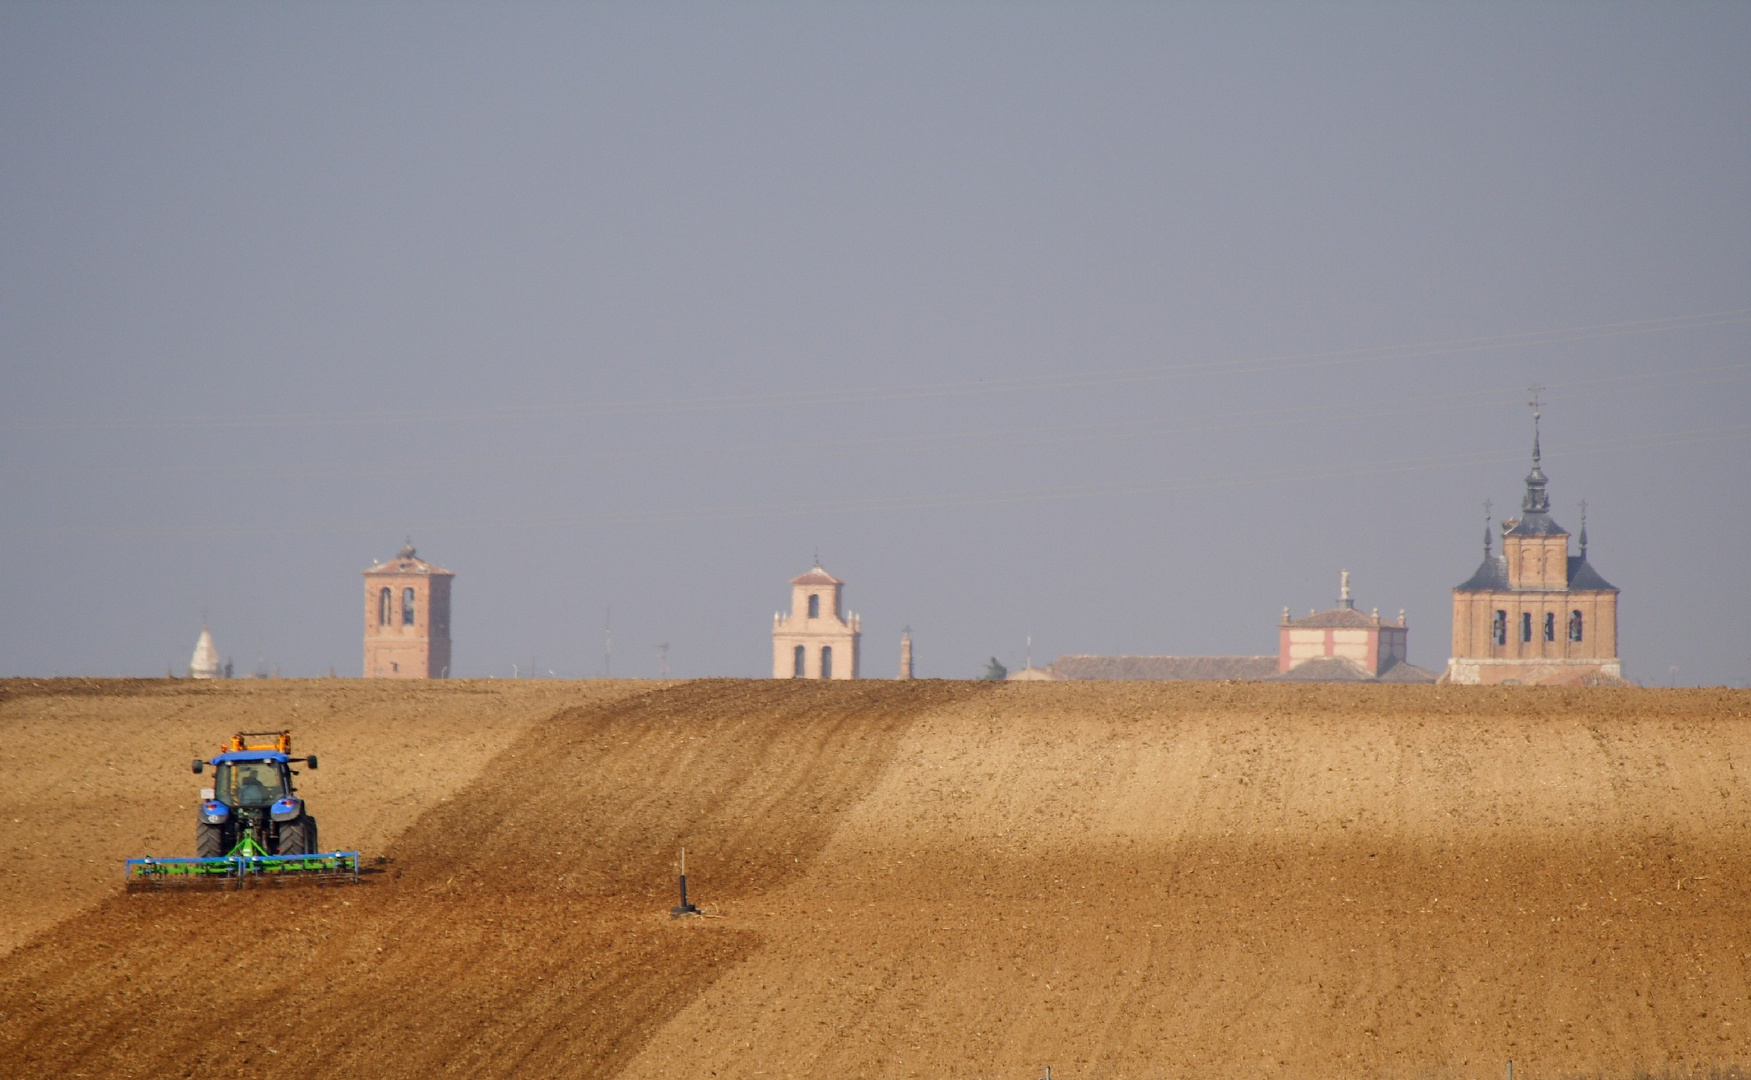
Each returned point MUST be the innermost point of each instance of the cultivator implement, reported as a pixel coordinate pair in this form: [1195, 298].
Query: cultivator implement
[246, 864]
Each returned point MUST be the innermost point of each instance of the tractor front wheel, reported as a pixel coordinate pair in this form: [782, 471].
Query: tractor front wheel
[209, 840]
[297, 837]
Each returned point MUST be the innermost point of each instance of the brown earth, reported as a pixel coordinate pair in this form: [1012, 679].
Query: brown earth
[929, 879]
[95, 771]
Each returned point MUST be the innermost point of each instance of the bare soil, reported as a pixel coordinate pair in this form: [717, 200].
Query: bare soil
[96, 771]
[916, 879]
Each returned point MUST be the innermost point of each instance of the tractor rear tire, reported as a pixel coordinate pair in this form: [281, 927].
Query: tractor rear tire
[315, 844]
[296, 837]
[209, 840]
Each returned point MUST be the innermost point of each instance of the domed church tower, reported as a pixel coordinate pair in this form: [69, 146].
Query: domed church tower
[1535, 614]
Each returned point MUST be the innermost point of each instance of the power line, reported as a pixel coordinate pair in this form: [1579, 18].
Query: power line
[1015, 384]
[1206, 423]
[887, 504]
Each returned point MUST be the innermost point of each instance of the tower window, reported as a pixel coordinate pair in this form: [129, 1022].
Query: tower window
[407, 607]
[385, 605]
[797, 662]
[814, 606]
[1550, 626]
[1574, 626]
[1526, 626]
[1499, 628]
[826, 661]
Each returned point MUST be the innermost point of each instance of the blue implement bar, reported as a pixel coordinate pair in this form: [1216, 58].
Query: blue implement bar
[330, 865]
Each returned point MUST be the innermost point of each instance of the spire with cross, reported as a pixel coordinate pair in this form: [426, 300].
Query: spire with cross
[1537, 500]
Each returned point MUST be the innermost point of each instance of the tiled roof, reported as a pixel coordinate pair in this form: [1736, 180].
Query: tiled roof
[817, 576]
[1535, 523]
[1164, 668]
[1343, 669]
[1402, 672]
[1325, 669]
[1339, 617]
[1583, 577]
[1491, 576]
[408, 566]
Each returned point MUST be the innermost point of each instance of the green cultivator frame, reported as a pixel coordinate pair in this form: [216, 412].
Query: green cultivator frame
[247, 862]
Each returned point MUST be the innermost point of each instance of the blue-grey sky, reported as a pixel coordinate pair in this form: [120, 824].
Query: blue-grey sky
[1120, 326]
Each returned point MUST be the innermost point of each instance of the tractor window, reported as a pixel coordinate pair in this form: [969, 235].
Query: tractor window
[248, 783]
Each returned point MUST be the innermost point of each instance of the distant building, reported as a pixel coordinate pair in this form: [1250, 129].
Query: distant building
[817, 640]
[1164, 668]
[1344, 645]
[205, 662]
[1341, 645]
[906, 653]
[407, 619]
[1535, 614]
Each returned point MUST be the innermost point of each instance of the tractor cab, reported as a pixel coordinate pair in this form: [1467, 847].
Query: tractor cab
[251, 779]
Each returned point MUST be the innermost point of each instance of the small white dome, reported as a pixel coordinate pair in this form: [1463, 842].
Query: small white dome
[205, 664]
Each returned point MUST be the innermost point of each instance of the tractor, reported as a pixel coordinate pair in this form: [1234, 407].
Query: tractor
[252, 797]
[251, 824]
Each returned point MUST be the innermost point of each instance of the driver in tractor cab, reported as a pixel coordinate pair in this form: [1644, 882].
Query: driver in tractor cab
[251, 792]
[257, 784]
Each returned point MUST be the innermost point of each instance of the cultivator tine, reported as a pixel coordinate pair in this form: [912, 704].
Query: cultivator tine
[243, 869]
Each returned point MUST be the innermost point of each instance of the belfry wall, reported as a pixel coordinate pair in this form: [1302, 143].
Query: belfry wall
[407, 619]
[817, 639]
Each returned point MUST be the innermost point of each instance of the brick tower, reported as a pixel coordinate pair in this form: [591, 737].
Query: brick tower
[816, 640]
[1535, 614]
[407, 619]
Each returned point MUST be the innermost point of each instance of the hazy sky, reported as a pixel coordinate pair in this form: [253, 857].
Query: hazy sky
[1121, 326]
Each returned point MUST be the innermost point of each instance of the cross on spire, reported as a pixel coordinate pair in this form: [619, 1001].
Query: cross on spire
[1536, 500]
[1537, 406]
[1486, 527]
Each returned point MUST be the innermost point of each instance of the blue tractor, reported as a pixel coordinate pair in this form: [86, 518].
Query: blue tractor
[251, 825]
[252, 801]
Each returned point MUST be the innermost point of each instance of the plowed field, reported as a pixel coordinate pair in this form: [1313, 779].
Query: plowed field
[901, 879]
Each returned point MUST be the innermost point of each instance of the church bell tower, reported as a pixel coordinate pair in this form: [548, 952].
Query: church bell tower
[407, 618]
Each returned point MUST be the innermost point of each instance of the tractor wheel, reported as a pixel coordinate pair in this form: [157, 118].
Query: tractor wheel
[315, 844]
[296, 836]
[209, 840]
